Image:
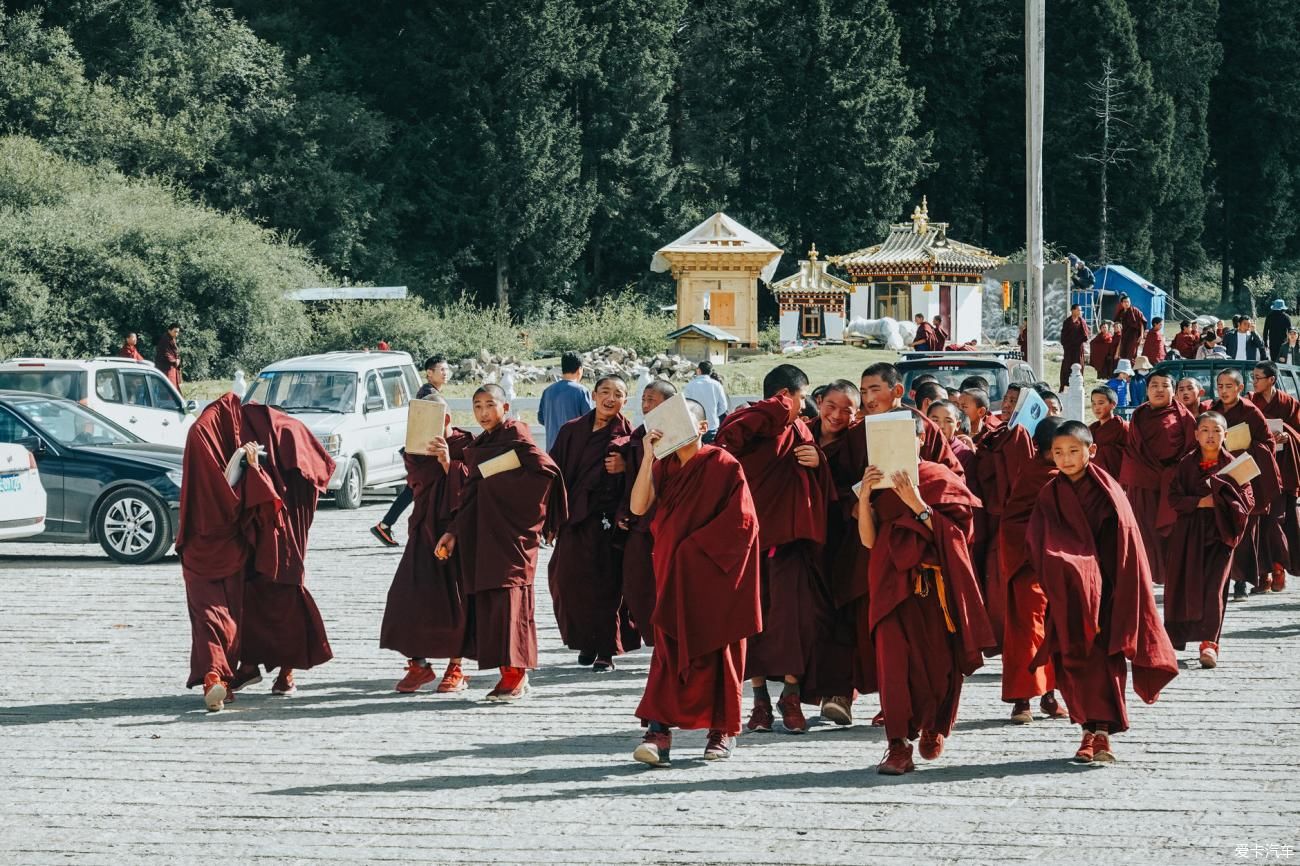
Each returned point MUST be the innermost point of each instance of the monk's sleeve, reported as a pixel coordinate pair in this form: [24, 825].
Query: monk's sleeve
[261, 520]
[727, 537]
[744, 429]
[1184, 496]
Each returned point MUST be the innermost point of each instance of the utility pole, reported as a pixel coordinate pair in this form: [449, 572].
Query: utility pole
[1035, 37]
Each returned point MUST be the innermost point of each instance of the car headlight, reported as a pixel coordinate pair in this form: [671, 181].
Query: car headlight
[332, 443]
[175, 477]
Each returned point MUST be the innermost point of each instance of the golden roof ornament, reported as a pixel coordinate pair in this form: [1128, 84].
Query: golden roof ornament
[812, 253]
[921, 217]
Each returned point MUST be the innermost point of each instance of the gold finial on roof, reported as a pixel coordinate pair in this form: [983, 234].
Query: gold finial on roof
[921, 217]
[812, 253]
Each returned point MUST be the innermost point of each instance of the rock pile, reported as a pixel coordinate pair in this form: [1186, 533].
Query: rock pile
[603, 361]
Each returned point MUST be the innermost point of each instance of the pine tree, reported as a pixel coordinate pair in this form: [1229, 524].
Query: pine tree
[1177, 37]
[1255, 112]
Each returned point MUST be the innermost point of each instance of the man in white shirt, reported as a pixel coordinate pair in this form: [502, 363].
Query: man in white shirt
[706, 390]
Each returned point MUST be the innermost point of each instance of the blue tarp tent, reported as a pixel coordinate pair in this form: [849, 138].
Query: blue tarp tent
[1145, 295]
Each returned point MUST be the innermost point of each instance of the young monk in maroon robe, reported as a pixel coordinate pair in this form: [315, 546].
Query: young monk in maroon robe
[1153, 345]
[940, 332]
[1160, 432]
[948, 417]
[129, 349]
[842, 666]
[1109, 431]
[1084, 544]
[505, 511]
[426, 616]
[1132, 327]
[1026, 603]
[638, 544]
[791, 486]
[167, 355]
[282, 625]
[709, 604]
[1099, 351]
[1213, 511]
[1189, 392]
[1074, 339]
[213, 541]
[586, 568]
[1279, 406]
[1001, 452]
[926, 339]
[1187, 340]
[1264, 542]
[882, 391]
[926, 615]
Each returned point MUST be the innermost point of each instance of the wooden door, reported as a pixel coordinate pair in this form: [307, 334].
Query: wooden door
[945, 310]
[722, 309]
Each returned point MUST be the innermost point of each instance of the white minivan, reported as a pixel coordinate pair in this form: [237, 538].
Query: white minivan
[132, 393]
[355, 404]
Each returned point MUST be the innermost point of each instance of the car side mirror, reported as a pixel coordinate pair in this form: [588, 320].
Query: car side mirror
[191, 406]
[34, 444]
[374, 404]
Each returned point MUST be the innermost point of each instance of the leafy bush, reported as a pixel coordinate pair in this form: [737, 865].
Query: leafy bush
[87, 255]
[457, 330]
[624, 320]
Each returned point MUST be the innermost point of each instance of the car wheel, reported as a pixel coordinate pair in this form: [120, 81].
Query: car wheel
[133, 526]
[349, 495]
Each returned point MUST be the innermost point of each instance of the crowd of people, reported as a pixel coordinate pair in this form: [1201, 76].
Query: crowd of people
[778, 553]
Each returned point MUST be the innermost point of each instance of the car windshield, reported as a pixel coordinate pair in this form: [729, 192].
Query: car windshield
[56, 383]
[306, 391]
[951, 377]
[71, 424]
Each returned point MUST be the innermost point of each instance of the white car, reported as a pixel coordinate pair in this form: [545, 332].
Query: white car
[355, 404]
[132, 393]
[22, 497]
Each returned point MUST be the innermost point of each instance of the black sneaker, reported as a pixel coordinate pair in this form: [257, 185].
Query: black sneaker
[603, 665]
[1239, 590]
[585, 659]
[384, 534]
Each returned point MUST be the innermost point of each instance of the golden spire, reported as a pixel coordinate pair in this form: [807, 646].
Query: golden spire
[812, 253]
[921, 217]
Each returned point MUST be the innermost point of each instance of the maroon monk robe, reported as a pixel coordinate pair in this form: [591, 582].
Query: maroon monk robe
[1022, 342]
[638, 544]
[1099, 355]
[1264, 538]
[1074, 338]
[1185, 344]
[586, 568]
[709, 599]
[926, 339]
[842, 664]
[791, 501]
[1111, 439]
[1285, 408]
[498, 531]
[934, 447]
[1085, 546]
[925, 613]
[941, 336]
[1132, 327]
[129, 351]
[167, 358]
[1201, 548]
[1153, 345]
[427, 612]
[282, 625]
[214, 537]
[1026, 603]
[1000, 454]
[1157, 440]
[965, 456]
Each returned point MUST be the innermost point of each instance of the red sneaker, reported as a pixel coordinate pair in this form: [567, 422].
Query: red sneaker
[1021, 714]
[898, 760]
[454, 680]
[1051, 707]
[1101, 753]
[215, 691]
[1265, 585]
[719, 747]
[1279, 578]
[1209, 654]
[417, 676]
[245, 677]
[792, 714]
[655, 748]
[284, 685]
[1086, 751]
[512, 686]
[931, 745]
[760, 718]
[878, 720]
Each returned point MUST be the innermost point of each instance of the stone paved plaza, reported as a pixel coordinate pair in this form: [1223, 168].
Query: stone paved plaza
[105, 758]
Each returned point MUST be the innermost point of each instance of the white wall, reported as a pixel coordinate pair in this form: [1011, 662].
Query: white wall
[789, 327]
[834, 327]
[860, 302]
[967, 312]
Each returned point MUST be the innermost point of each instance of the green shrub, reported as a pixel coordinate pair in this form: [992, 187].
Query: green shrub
[624, 320]
[457, 330]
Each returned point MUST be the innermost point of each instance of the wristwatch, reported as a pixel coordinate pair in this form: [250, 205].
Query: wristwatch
[924, 515]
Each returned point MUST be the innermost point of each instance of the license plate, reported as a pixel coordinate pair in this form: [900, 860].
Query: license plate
[11, 483]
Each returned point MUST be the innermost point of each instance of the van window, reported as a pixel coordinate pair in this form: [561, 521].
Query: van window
[162, 394]
[135, 388]
[413, 382]
[372, 388]
[395, 387]
[69, 384]
[106, 387]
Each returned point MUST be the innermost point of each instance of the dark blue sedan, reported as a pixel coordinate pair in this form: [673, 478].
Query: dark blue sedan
[102, 482]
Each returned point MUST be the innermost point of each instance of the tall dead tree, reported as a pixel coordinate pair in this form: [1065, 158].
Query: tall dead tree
[1109, 106]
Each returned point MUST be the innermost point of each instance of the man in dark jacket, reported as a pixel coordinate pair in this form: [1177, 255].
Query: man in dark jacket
[1276, 324]
[1244, 344]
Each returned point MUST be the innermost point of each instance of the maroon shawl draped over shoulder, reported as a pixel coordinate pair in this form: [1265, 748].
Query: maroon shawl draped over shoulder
[1157, 439]
[790, 499]
[1099, 355]
[1133, 325]
[1267, 486]
[1111, 439]
[1153, 346]
[706, 562]
[846, 558]
[580, 452]
[502, 518]
[1074, 337]
[1063, 552]
[902, 547]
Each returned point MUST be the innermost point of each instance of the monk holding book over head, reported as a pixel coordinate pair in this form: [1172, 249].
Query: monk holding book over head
[513, 497]
[708, 602]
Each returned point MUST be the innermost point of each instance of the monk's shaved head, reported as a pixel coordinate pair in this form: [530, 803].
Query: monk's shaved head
[1111, 395]
[1076, 430]
[884, 371]
[1213, 418]
[496, 392]
[1169, 377]
[698, 414]
[662, 387]
[977, 382]
[605, 380]
[1045, 432]
[978, 396]
[847, 388]
[1232, 373]
[784, 377]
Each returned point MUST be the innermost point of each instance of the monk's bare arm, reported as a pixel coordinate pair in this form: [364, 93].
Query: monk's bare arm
[643, 489]
[866, 517]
